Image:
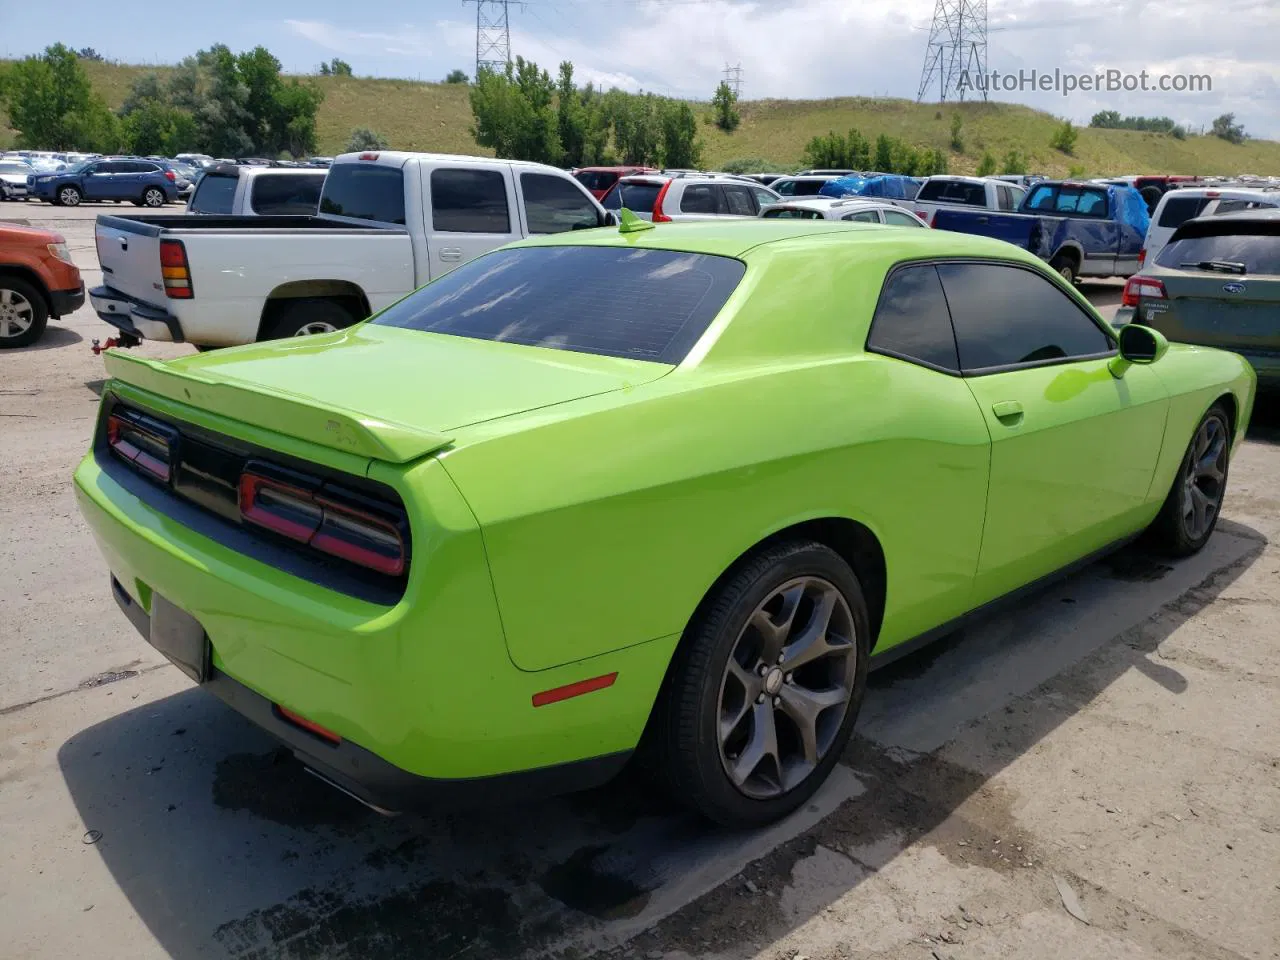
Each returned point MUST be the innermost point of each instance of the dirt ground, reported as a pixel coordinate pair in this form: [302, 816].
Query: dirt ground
[1094, 773]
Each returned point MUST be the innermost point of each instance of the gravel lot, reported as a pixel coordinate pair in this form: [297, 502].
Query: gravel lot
[1093, 774]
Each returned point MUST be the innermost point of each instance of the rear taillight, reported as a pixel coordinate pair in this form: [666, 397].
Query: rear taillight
[176, 270]
[139, 441]
[1138, 287]
[334, 521]
[170, 176]
[1142, 257]
[658, 215]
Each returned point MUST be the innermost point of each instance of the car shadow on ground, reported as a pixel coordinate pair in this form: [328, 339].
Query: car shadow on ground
[223, 844]
[52, 338]
[1264, 425]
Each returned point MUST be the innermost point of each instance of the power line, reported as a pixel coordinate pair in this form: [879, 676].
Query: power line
[733, 77]
[956, 55]
[493, 34]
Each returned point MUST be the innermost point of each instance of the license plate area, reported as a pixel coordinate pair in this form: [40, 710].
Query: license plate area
[180, 637]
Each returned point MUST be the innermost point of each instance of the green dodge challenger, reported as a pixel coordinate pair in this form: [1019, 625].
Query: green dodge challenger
[661, 491]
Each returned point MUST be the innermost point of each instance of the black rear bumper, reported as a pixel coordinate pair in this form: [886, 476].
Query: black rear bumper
[376, 782]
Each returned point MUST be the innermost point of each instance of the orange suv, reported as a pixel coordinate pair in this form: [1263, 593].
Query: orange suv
[38, 280]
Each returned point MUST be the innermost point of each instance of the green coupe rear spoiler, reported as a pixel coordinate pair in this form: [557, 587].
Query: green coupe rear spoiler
[328, 426]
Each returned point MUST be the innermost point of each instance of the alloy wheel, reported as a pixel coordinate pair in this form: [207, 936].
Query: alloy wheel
[786, 687]
[153, 198]
[1205, 480]
[69, 197]
[16, 314]
[316, 326]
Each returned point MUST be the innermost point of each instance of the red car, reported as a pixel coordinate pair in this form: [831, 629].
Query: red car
[38, 280]
[599, 179]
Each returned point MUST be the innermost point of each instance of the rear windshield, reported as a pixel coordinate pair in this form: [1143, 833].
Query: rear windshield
[216, 194]
[616, 302]
[791, 213]
[798, 188]
[597, 179]
[1067, 198]
[286, 194]
[1178, 210]
[954, 191]
[21, 168]
[633, 196]
[365, 191]
[1256, 254]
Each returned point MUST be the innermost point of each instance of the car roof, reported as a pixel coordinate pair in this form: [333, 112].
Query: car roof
[1265, 221]
[401, 157]
[832, 203]
[735, 237]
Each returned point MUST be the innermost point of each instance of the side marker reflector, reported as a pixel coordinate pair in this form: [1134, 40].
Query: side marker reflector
[308, 725]
[574, 689]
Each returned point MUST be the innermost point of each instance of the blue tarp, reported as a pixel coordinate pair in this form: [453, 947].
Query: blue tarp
[887, 186]
[1132, 209]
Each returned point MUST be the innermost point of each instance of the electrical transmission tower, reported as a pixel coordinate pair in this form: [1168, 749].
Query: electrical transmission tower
[957, 49]
[733, 77]
[493, 35]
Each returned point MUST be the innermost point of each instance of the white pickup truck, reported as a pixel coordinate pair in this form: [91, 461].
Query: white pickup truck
[963, 193]
[388, 223]
[233, 190]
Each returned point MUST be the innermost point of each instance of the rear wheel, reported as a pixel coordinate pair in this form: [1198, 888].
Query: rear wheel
[153, 197]
[1190, 511]
[23, 314]
[69, 196]
[765, 688]
[307, 315]
[1066, 267]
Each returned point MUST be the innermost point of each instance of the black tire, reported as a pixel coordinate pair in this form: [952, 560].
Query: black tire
[1066, 267]
[294, 316]
[68, 196]
[12, 288]
[153, 197]
[683, 743]
[1173, 531]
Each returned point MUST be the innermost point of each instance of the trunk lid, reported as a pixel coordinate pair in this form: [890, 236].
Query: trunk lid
[381, 392]
[129, 253]
[1211, 309]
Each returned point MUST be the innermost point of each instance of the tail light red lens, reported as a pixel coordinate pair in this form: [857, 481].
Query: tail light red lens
[175, 269]
[1138, 287]
[137, 441]
[326, 520]
[1142, 257]
[658, 215]
[170, 176]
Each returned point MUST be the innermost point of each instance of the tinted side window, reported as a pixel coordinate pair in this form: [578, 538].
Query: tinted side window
[700, 198]
[863, 216]
[285, 194]
[469, 201]
[365, 191]
[1006, 315]
[215, 194]
[104, 167]
[1004, 199]
[1178, 210]
[554, 205]
[911, 319]
[763, 197]
[792, 213]
[901, 219]
[738, 200]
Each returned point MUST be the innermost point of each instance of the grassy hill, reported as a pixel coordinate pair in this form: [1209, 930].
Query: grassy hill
[437, 117]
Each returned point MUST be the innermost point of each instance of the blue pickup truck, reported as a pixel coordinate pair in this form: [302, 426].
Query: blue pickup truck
[1082, 229]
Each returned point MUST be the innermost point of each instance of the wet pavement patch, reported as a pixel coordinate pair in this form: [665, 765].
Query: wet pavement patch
[1134, 566]
[586, 883]
[276, 787]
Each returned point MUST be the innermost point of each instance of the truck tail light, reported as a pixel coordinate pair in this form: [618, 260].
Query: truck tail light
[327, 520]
[175, 269]
[658, 215]
[137, 441]
[1136, 288]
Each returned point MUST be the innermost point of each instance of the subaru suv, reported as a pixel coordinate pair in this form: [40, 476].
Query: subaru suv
[664, 198]
[122, 179]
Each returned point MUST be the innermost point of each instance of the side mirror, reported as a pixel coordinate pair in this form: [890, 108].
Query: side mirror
[610, 219]
[1138, 345]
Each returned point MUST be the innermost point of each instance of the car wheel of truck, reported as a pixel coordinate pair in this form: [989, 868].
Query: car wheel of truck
[1190, 511]
[69, 197]
[765, 687]
[153, 197]
[308, 315]
[1065, 267]
[23, 314]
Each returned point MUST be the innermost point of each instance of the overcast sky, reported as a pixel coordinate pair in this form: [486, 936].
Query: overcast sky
[806, 48]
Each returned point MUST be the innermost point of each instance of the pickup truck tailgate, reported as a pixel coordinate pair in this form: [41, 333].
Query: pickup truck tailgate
[129, 253]
[1015, 228]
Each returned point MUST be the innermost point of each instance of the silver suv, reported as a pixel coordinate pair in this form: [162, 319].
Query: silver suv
[663, 197]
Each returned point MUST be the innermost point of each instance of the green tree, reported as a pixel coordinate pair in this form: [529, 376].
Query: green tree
[571, 118]
[1014, 162]
[325, 70]
[857, 151]
[937, 163]
[987, 165]
[1076, 172]
[513, 113]
[50, 102]
[339, 68]
[827, 152]
[722, 106]
[362, 138]
[456, 76]
[635, 128]
[1064, 137]
[1226, 128]
[883, 159]
[957, 138]
[679, 135]
[1106, 119]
